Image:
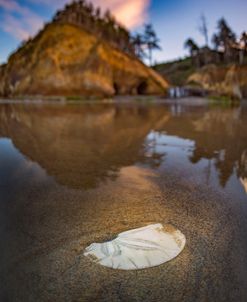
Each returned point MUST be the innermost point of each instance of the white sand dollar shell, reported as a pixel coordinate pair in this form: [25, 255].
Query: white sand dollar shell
[140, 248]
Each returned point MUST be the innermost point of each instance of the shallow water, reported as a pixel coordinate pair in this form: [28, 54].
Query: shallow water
[80, 173]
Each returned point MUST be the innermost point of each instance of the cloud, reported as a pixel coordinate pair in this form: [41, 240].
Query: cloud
[9, 5]
[131, 13]
[19, 21]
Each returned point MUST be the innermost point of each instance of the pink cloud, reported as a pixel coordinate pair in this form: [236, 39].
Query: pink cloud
[130, 13]
[9, 5]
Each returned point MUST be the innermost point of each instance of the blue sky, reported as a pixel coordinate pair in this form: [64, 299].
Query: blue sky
[177, 20]
[173, 20]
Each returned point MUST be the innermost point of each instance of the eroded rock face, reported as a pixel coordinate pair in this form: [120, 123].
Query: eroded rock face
[65, 60]
[230, 81]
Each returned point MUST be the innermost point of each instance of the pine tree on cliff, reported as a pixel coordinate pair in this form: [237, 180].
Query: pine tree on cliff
[224, 39]
[151, 41]
[138, 42]
[97, 13]
[191, 45]
[193, 48]
[203, 28]
[243, 41]
[243, 47]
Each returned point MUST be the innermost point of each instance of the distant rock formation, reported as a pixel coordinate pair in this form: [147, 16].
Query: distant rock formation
[66, 59]
[221, 80]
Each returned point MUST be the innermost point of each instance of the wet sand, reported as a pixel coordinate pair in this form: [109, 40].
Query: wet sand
[45, 227]
[49, 228]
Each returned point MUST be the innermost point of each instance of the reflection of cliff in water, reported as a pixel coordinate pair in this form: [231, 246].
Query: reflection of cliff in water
[219, 134]
[82, 145]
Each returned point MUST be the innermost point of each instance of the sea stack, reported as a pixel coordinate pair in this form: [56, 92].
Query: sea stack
[78, 54]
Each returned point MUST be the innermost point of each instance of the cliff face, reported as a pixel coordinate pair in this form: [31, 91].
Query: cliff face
[65, 60]
[230, 81]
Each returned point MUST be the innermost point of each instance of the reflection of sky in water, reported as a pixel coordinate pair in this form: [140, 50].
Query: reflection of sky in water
[173, 155]
[16, 170]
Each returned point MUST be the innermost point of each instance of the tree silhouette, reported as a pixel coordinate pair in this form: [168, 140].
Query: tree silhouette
[224, 39]
[243, 47]
[193, 49]
[151, 41]
[191, 46]
[243, 40]
[97, 13]
[138, 42]
[203, 28]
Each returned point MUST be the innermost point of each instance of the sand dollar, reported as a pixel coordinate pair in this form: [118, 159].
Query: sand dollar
[140, 248]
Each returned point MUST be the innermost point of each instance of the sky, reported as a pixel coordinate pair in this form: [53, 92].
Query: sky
[173, 20]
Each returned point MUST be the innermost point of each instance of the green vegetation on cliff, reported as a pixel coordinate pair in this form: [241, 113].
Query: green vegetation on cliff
[176, 72]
